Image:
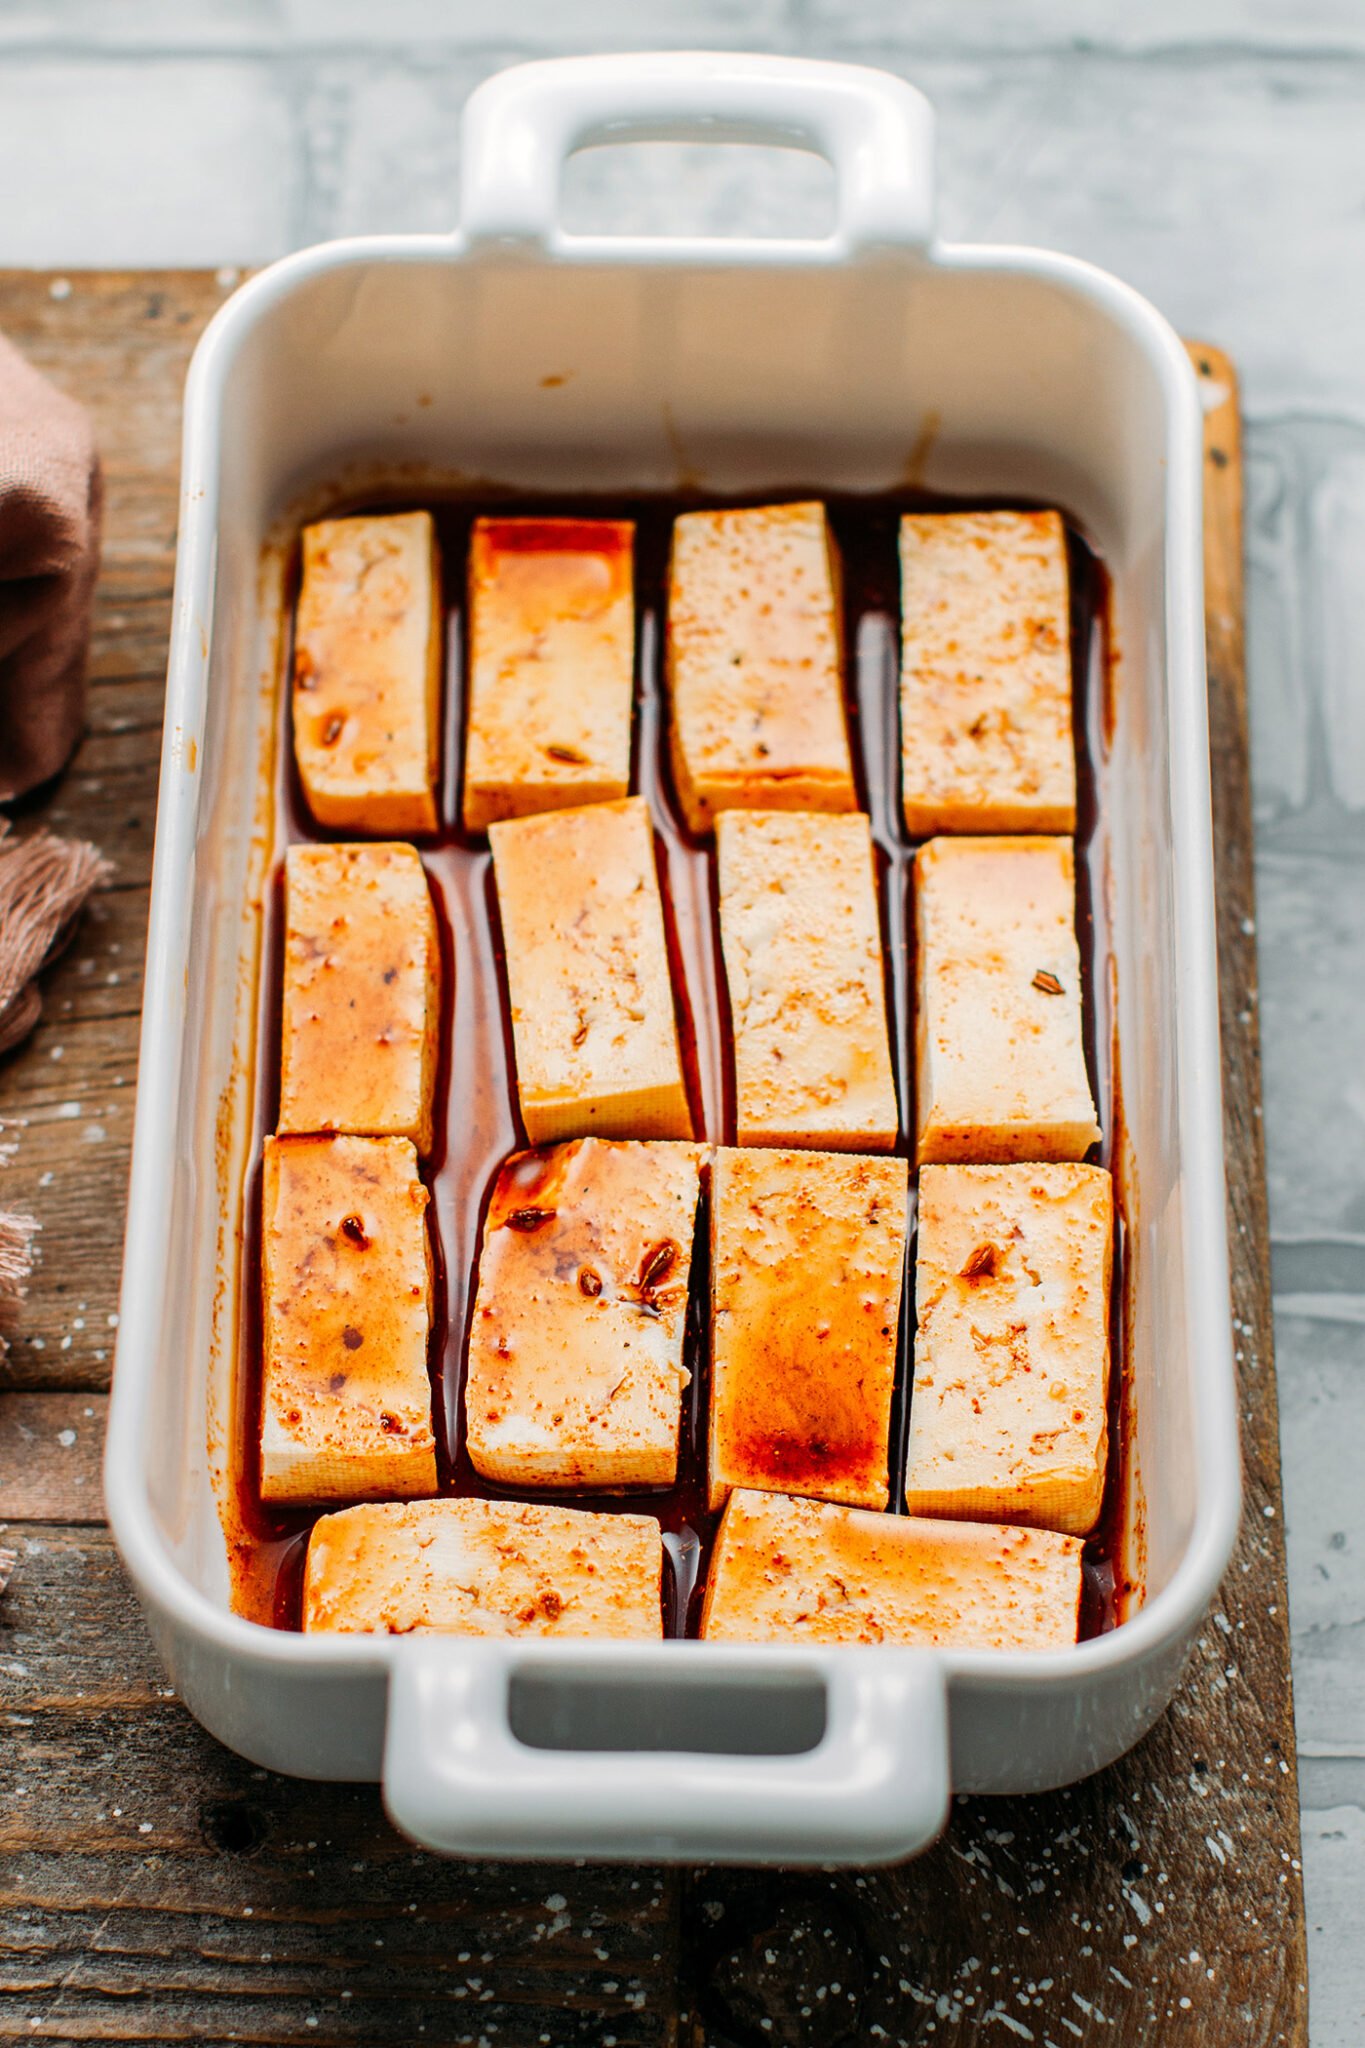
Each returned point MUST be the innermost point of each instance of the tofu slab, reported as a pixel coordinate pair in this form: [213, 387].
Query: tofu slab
[986, 741]
[1008, 1414]
[593, 1025]
[551, 665]
[484, 1568]
[361, 1002]
[999, 1057]
[785, 1571]
[345, 1399]
[575, 1352]
[367, 673]
[755, 664]
[807, 1257]
[803, 960]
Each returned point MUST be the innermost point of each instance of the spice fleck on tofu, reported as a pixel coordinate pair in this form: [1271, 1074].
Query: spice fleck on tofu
[484, 1568]
[593, 1024]
[986, 743]
[576, 1371]
[807, 1258]
[1009, 1410]
[551, 666]
[346, 1398]
[367, 673]
[790, 1571]
[803, 959]
[999, 1057]
[361, 1000]
[755, 664]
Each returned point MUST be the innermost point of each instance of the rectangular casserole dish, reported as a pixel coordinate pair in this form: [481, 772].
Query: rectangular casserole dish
[512, 356]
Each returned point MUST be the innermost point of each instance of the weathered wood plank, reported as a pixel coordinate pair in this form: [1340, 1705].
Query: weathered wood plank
[155, 1887]
[68, 1108]
[50, 1450]
[121, 345]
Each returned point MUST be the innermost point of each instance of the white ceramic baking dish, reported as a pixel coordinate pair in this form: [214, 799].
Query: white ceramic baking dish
[514, 353]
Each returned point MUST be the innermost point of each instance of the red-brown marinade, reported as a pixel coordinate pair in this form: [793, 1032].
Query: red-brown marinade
[477, 1124]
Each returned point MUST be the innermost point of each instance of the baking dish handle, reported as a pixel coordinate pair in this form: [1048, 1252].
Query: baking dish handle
[875, 131]
[872, 1788]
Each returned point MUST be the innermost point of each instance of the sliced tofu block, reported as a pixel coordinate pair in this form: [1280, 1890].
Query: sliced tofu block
[803, 959]
[551, 665]
[1000, 1063]
[484, 1568]
[575, 1353]
[986, 740]
[345, 1400]
[367, 673]
[1008, 1414]
[807, 1256]
[755, 664]
[785, 1571]
[361, 1001]
[593, 1026]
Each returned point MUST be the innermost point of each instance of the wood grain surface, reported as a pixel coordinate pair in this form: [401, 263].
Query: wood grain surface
[155, 1888]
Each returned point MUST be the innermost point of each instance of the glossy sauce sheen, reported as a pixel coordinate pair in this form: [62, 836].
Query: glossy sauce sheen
[477, 1123]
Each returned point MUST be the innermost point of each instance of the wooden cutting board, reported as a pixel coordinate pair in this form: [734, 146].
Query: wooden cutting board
[155, 1887]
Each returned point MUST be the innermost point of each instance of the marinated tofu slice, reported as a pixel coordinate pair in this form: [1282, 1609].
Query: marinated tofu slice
[575, 1352]
[755, 664]
[1000, 1062]
[551, 665]
[361, 1002]
[1008, 1414]
[803, 959]
[986, 741]
[345, 1399]
[807, 1257]
[367, 673]
[484, 1568]
[593, 1025]
[785, 1571]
